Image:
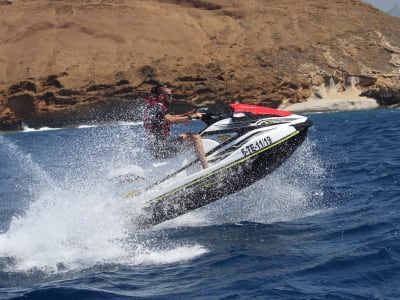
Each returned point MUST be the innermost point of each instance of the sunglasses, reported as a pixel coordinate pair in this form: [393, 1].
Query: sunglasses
[166, 94]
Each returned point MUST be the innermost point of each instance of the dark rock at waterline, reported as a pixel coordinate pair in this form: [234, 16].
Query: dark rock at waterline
[385, 96]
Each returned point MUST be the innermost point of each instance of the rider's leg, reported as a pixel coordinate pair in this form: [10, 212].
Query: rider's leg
[198, 143]
[200, 150]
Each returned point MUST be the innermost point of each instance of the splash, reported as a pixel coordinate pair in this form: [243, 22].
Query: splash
[26, 128]
[294, 190]
[78, 220]
[175, 254]
[38, 178]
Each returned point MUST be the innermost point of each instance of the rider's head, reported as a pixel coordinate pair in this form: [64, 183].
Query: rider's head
[163, 94]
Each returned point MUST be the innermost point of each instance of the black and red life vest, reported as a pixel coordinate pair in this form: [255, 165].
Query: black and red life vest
[153, 118]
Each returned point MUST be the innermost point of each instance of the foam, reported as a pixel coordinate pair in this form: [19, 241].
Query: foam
[78, 222]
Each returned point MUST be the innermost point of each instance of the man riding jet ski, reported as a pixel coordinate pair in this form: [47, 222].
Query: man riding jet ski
[241, 145]
[157, 123]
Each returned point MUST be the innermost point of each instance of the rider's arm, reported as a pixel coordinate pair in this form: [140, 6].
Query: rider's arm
[176, 119]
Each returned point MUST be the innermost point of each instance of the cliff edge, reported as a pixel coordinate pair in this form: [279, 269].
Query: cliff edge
[66, 62]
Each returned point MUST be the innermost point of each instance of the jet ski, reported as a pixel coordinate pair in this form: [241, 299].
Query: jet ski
[242, 144]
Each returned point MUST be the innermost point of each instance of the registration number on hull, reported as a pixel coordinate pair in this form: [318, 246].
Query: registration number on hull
[256, 146]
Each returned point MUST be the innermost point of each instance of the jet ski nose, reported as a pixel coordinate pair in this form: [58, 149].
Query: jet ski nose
[304, 125]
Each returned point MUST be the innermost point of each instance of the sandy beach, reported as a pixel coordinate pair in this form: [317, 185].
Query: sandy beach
[334, 104]
[328, 98]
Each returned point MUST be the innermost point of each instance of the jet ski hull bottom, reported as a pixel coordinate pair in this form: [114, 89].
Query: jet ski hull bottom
[220, 183]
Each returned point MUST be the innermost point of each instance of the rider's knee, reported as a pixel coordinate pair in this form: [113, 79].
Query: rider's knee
[196, 137]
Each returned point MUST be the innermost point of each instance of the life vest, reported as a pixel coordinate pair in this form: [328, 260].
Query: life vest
[155, 127]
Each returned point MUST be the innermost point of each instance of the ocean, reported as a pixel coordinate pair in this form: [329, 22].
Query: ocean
[325, 225]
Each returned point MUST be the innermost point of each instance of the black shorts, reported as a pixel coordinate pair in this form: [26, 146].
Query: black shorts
[168, 147]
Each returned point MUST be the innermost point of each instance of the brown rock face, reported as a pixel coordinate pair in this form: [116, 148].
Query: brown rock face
[65, 62]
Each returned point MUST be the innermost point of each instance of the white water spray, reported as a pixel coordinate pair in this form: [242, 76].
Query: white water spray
[77, 223]
[80, 221]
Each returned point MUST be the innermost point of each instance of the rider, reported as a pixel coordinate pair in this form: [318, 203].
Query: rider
[157, 123]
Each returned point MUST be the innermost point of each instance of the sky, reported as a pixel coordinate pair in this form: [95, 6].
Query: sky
[384, 5]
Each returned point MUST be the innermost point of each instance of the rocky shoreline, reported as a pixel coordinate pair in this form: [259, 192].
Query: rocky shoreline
[46, 103]
[115, 111]
[128, 107]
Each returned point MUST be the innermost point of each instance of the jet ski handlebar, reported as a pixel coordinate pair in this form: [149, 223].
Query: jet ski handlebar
[211, 116]
[240, 112]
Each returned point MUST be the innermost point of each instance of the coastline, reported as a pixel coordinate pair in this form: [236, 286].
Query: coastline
[332, 105]
[312, 105]
[328, 98]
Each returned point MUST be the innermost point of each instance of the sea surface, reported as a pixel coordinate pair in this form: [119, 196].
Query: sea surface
[325, 225]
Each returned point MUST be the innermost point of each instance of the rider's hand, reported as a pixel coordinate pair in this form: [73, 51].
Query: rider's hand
[197, 115]
[190, 112]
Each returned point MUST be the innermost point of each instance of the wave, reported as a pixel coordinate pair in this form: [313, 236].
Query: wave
[75, 218]
[26, 128]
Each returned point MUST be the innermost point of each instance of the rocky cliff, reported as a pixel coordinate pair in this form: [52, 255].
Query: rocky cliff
[66, 62]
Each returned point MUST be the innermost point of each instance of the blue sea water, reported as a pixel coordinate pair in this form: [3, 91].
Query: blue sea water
[326, 225]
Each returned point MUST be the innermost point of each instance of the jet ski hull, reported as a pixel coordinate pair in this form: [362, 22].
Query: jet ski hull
[223, 181]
